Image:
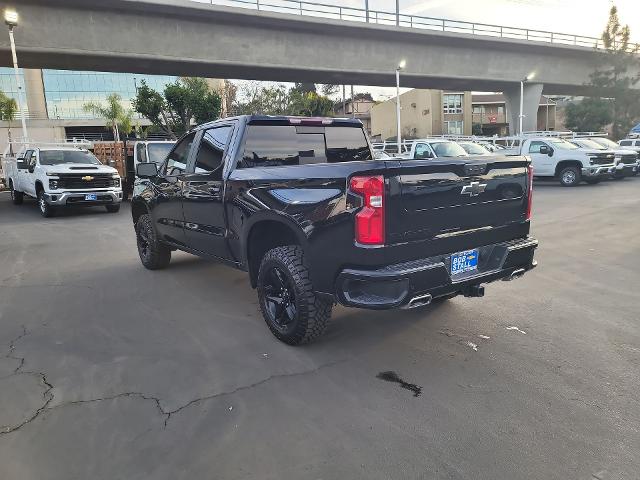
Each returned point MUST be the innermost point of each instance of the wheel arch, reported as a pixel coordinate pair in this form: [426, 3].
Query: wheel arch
[568, 163]
[264, 234]
[138, 208]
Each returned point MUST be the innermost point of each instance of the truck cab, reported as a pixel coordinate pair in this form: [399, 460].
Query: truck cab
[59, 176]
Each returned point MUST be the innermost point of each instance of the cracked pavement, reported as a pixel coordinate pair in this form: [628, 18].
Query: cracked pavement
[111, 371]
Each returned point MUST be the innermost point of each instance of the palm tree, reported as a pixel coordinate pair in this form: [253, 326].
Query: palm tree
[8, 109]
[118, 119]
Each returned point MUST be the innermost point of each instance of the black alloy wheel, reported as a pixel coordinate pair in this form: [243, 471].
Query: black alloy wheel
[280, 299]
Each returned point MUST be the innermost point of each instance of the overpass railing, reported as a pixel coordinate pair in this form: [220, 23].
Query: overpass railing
[337, 12]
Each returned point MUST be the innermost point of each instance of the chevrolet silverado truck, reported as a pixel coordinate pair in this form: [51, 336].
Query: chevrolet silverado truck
[557, 158]
[625, 161]
[62, 176]
[302, 206]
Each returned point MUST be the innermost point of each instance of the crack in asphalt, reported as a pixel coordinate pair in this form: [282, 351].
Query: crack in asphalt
[48, 396]
[12, 347]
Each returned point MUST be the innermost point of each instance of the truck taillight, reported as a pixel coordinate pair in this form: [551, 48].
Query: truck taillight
[530, 192]
[370, 220]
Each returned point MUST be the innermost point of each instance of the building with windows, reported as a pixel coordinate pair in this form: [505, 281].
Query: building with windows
[424, 113]
[490, 115]
[55, 99]
[359, 107]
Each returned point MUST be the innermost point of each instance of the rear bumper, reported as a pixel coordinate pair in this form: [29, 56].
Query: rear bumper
[598, 171]
[108, 197]
[400, 285]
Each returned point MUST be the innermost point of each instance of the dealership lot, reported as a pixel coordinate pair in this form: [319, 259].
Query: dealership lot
[108, 370]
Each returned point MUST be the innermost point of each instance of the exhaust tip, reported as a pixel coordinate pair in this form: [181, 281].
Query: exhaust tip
[419, 301]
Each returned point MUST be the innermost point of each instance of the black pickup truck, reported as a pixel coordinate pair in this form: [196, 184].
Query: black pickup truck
[301, 205]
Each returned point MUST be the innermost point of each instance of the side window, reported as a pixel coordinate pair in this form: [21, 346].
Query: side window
[27, 158]
[422, 151]
[31, 161]
[176, 162]
[625, 143]
[211, 152]
[637, 143]
[535, 147]
[141, 153]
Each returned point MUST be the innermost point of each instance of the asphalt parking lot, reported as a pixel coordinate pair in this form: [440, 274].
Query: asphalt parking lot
[111, 371]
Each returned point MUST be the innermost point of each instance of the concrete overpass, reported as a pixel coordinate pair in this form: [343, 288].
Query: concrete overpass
[181, 37]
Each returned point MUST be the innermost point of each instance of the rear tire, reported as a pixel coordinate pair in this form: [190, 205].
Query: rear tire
[153, 254]
[293, 312]
[570, 177]
[46, 210]
[113, 208]
[16, 197]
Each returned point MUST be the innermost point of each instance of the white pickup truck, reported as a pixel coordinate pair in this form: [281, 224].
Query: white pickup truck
[557, 158]
[61, 176]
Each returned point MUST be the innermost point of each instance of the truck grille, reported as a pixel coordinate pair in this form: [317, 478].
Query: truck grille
[602, 158]
[628, 159]
[86, 181]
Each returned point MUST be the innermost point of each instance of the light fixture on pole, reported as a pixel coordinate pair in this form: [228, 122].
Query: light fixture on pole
[522, 82]
[401, 65]
[11, 19]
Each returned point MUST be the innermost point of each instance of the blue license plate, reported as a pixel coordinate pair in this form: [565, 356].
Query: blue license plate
[91, 196]
[464, 262]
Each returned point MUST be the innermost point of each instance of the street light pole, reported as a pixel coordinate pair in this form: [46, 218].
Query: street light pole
[398, 13]
[11, 19]
[522, 82]
[400, 66]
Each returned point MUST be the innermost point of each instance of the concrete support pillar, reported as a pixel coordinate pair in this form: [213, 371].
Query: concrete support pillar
[34, 88]
[532, 93]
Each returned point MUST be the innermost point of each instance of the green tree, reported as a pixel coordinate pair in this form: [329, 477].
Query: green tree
[592, 114]
[310, 104]
[8, 110]
[119, 119]
[613, 79]
[187, 101]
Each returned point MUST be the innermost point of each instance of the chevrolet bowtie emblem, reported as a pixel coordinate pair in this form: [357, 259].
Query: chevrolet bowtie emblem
[88, 178]
[473, 190]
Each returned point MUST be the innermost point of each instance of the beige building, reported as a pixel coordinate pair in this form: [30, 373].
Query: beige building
[424, 113]
[360, 108]
[490, 115]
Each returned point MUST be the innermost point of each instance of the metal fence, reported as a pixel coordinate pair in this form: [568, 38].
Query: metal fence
[337, 12]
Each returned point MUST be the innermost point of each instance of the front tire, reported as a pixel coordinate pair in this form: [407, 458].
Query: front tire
[113, 208]
[293, 312]
[16, 197]
[46, 210]
[153, 254]
[570, 177]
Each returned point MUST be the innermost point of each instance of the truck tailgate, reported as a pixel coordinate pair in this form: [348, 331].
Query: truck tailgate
[454, 197]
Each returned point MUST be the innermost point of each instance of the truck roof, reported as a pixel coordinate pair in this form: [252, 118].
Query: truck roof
[287, 120]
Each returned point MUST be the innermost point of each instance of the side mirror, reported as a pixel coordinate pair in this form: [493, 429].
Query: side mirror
[147, 170]
[544, 150]
[21, 164]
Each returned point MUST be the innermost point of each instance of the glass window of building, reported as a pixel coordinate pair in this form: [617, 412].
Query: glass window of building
[452, 103]
[9, 87]
[455, 127]
[67, 91]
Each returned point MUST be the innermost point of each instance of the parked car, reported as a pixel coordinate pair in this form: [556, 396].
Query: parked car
[380, 154]
[557, 158]
[305, 209]
[614, 146]
[624, 160]
[473, 148]
[62, 176]
[434, 148]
